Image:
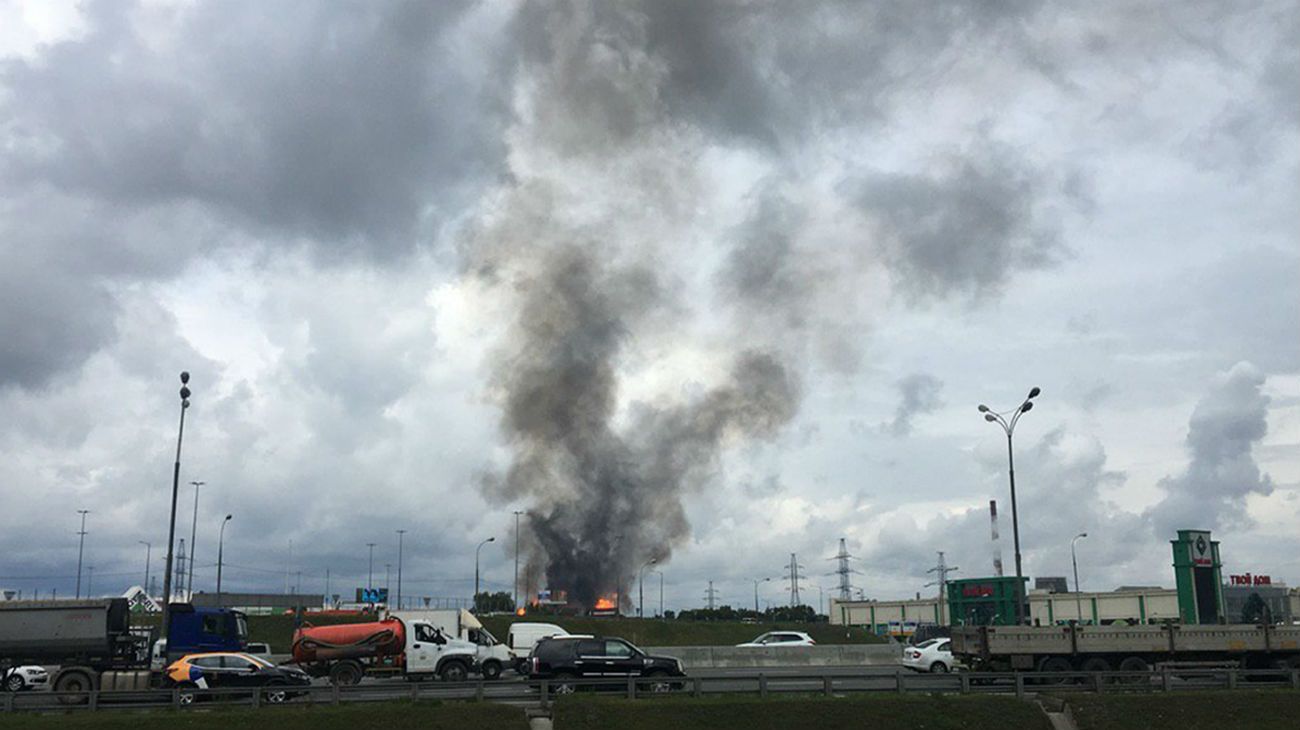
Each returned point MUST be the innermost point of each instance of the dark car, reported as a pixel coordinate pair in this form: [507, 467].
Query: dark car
[233, 670]
[567, 658]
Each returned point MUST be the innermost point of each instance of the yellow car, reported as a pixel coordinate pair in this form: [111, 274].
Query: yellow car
[233, 670]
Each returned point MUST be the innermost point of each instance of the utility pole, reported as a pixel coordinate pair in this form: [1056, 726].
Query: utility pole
[844, 571]
[711, 596]
[941, 570]
[180, 568]
[90, 580]
[171, 524]
[516, 586]
[370, 571]
[794, 580]
[81, 544]
[661, 593]
[148, 549]
[193, 533]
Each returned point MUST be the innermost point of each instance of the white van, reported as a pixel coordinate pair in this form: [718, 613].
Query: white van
[492, 656]
[524, 636]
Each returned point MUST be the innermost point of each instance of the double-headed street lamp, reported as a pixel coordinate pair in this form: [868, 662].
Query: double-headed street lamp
[1078, 600]
[756, 582]
[171, 529]
[221, 544]
[1009, 426]
[476, 554]
[194, 526]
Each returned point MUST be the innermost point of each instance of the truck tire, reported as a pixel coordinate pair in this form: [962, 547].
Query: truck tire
[77, 684]
[453, 670]
[1134, 664]
[345, 674]
[1095, 664]
[491, 669]
[1054, 664]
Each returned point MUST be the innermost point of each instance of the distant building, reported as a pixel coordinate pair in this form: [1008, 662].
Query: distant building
[1051, 584]
[255, 603]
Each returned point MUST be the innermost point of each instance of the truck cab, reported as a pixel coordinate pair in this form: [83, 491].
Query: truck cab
[204, 629]
[431, 652]
[491, 656]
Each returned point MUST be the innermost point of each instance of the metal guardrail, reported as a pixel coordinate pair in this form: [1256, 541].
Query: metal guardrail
[544, 692]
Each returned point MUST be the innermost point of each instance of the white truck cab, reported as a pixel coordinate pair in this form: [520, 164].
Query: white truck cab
[490, 656]
[431, 652]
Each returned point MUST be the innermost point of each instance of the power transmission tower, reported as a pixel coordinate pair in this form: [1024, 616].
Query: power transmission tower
[794, 567]
[180, 569]
[711, 596]
[941, 570]
[844, 571]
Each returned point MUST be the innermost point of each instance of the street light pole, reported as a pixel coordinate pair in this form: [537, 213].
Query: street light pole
[400, 533]
[193, 531]
[147, 550]
[171, 529]
[640, 599]
[370, 571]
[81, 544]
[476, 554]
[756, 582]
[661, 593]
[221, 544]
[516, 591]
[1009, 428]
[1078, 599]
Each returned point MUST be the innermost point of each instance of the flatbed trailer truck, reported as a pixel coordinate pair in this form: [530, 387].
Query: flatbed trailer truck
[1124, 648]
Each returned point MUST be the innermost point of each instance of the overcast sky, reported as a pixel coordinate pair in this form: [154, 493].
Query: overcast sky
[345, 221]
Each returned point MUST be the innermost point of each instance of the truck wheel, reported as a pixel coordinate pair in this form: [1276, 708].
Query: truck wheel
[1054, 664]
[453, 672]
[1095, 664]
[1134, 664]
[345, 674]
[15, 683]
[491, 670]
[73, 687]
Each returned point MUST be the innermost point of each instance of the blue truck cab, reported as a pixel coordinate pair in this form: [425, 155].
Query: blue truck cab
[197, 629]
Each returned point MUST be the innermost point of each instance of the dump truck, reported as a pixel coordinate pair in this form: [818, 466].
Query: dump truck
[491, 656]
[94, 646]
[407, 647]
[1123, 647]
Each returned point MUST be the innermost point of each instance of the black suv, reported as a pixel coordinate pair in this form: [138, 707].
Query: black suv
[572, 657]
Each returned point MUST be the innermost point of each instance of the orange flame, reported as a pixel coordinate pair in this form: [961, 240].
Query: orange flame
[520, 611]
[604, 604]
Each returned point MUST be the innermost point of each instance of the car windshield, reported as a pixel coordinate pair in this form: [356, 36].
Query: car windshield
[257, 660]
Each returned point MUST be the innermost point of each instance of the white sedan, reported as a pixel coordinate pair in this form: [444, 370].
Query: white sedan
[780, 638]
[934, 655]
[25, 677]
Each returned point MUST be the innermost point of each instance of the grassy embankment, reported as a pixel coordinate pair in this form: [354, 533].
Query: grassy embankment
[386, 715]
[1190, 710]
[278, 630]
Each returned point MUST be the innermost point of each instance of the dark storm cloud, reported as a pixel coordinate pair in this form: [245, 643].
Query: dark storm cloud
[919, 394]
[966, 228]
[350, 128]
[765, 271]
[1227, 424]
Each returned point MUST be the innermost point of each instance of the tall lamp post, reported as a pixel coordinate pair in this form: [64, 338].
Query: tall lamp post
[221, 544]
[81, 544]
[756, 582]
[1009, 427]
[171, 529]
[1078, 599]
[148, 549]
[193, 532]
[640, 599]
[476, 553]
[370, 571]
[516, 591]
[400, 533]
[661, 593]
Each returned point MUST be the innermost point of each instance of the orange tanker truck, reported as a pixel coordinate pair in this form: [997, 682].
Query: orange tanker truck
[410, 648]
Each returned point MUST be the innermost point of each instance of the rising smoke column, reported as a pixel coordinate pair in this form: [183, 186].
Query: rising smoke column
[607, 500]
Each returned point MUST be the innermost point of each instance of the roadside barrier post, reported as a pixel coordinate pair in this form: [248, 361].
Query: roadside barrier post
[478, 691]
[415, 691]
[1165, 679]
[826, 686]
[335, 693]
[257, 698]
[176, 699]
[898, 681]
[1295, 679]
[631, 688]
[94, 700]
[9, 701]
[762, 685]
[964, 678]
[1096, 682]
[1232, 678]
[697, 687]
[543, 693]
[1020, 685]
